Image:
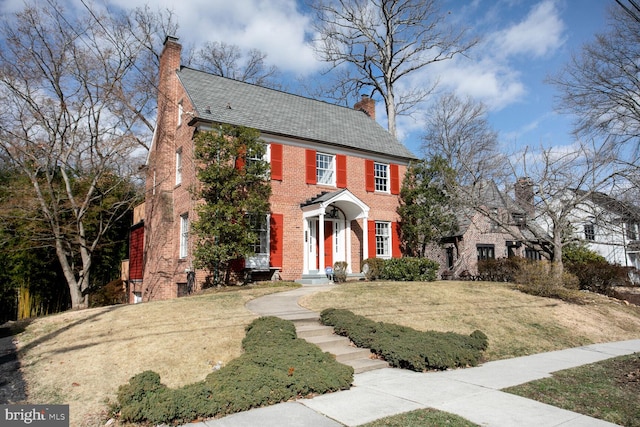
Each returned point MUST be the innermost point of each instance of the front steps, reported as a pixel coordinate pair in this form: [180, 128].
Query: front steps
[360, 359]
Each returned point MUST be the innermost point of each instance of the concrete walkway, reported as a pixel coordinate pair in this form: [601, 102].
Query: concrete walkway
[473, 393]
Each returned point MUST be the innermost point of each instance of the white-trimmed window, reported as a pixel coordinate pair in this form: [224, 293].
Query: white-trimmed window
[180, 111]
[383, 239]
[381, 177]
[325, 169]
[179, 166]
[260, 227]
[589, 232]
[184, 235]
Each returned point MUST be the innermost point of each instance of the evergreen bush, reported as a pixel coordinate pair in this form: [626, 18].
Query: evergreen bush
[409, 269]
[276, 367]
[407, 348]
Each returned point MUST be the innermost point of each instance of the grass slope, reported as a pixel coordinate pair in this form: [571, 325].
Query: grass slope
[517, 324]
[80, 358]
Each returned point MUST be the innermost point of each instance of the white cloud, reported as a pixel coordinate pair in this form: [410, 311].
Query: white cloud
[538, 34]
[275, 27]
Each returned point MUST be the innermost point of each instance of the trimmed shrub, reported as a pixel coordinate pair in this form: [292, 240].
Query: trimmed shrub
[410, 269]
[276, 366]
[372, 268]
[407, 348]
[340, 271]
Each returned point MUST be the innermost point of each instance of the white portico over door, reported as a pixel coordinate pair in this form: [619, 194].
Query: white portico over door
[327, 230]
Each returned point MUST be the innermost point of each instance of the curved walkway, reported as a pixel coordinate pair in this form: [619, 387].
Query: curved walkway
[473, 393]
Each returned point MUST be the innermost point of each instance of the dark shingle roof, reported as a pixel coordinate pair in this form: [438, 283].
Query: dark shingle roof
[222, 100]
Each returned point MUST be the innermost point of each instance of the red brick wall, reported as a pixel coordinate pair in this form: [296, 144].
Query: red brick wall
[166, 201]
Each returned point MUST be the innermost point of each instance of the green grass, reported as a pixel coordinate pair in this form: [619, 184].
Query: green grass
[607, 390]
[422, 418]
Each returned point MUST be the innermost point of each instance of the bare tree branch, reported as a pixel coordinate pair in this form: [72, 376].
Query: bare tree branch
[382, 42]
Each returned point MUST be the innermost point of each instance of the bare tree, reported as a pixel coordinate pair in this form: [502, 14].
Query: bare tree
[69, 125]
[228, 60]
[563, 181]
[381, 42]
[600, 86]
[458, 131]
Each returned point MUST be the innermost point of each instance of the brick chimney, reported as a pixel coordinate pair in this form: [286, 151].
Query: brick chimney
[169, 64]
[367, 106]
[524, 195]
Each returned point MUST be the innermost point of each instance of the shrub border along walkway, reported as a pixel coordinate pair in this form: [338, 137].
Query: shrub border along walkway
[275, 367]
[407, 348]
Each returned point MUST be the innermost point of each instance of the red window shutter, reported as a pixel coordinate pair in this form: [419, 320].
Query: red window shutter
[310, 166]
[241, 159]
[371, 231]
[396, 251]
[136, 252]
[341, 169]
[276, 233]
[276, 162]
[370, 182]
[395, 179]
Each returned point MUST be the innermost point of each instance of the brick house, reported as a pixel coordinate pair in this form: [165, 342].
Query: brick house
[500, 228]
[335, 176]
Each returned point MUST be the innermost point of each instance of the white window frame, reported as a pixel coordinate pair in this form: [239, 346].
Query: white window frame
[180, 111]
[381, 177]
[184, 235]
[383, 239]
[590, 232]
[179, 166]
[326, 169]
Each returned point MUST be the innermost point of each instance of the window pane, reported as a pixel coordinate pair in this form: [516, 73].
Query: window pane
[381, 174]
[178, 167]
[184, 235]
[589, 232]
[324, 169]
[259, 226]
[382, 239]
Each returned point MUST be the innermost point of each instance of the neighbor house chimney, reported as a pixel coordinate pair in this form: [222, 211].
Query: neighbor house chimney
[524, 195]
[367, 106]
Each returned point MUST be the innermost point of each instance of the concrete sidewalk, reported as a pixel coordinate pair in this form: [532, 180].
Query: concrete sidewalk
[472, 393]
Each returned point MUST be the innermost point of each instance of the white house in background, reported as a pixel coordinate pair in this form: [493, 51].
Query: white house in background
[609, 227]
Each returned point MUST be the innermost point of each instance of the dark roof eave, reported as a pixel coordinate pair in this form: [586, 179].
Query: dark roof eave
[195, 121]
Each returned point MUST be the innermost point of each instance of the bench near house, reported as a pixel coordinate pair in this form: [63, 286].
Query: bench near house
[335, 176]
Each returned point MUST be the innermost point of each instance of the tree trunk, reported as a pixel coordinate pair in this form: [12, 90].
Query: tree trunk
[557, 267]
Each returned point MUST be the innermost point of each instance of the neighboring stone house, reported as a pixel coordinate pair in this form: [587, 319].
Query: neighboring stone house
[335, 176]
[609, 227]
[498, 228]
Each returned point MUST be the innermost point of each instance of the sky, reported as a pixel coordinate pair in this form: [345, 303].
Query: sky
[522, 43]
